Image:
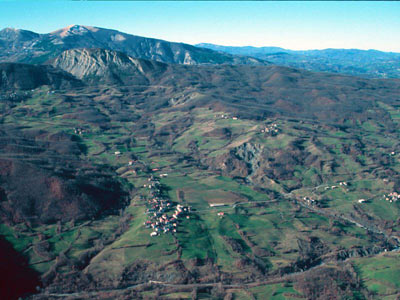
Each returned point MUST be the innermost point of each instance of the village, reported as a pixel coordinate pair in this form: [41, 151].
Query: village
[271, 129]
[392, 197]
[159, 209]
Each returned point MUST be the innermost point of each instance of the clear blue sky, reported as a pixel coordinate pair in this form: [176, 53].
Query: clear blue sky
[293, 25]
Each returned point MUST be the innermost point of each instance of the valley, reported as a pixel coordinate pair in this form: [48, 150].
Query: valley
[125, 178]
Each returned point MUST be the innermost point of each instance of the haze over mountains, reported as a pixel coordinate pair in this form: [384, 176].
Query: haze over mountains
[137, 168]
[366, 63]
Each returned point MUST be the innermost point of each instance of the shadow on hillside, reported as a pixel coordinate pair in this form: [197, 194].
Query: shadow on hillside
[16, 278]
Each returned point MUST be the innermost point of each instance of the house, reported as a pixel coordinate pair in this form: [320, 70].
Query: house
[117, 153]
[221, 214]
[217, 204]
[309, 200]
[361, 200]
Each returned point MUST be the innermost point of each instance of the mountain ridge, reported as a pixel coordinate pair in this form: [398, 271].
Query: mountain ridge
[42, 47]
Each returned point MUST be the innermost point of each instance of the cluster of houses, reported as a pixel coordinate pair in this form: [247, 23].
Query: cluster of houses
[309, 201]
[271, 129]
[392, 197]
[159, 210]
[332, 187]
[14, 96]
[79, 131]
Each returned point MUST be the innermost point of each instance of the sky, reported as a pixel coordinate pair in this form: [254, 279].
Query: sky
[292, 25]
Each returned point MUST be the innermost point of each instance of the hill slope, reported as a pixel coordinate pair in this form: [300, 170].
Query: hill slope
[273, 90]
[25, 77]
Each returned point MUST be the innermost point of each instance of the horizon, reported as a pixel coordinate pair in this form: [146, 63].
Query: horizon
[288, 25]
[205, 43]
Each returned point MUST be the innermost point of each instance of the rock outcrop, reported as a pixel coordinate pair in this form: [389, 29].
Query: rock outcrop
[107, 66]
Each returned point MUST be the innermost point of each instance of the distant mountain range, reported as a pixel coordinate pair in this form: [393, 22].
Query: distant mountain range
[25, 46]
[366, 63]
[29, 47]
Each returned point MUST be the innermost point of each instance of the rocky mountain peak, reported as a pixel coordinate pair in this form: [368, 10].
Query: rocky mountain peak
[74, 30]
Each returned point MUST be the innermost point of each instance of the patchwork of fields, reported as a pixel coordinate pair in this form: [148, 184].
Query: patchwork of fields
[282, 211]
